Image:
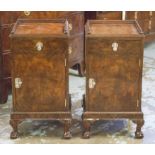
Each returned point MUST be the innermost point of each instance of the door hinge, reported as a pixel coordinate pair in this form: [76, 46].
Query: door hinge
[139, 62]
[65, 62]
[137, 103]
[18, 83]
[150, 24]
[65, 102]
[92, 83]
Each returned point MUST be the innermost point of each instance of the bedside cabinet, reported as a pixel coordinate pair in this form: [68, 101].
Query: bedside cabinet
[40, 72]
[114, 60]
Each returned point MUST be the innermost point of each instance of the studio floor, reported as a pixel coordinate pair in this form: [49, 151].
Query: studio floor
[105, 132]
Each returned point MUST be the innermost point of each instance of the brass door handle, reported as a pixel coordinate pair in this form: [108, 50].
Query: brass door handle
[18, 82]
[115, 46]
[39, 46]
[92, 83]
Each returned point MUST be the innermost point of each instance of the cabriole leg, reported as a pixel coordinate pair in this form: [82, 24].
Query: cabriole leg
[67, 132]
[14, 134]
[138, 132]
[86, 125]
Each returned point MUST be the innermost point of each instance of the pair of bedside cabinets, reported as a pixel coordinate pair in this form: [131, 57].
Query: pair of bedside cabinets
[40, 66]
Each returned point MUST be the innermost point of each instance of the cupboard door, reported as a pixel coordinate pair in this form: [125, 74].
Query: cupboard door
[42, 80]
[112, 79]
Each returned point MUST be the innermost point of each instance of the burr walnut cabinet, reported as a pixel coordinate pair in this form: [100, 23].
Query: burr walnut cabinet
[114, 60]
[8, 18]
[40, 62]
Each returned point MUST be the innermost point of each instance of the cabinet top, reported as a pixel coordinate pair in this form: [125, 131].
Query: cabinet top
[113, 28]
[40, 28]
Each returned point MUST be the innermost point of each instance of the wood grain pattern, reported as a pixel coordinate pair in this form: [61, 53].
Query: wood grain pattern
[76, 19]
[144, 18]
[146, 21]
[43, 93]
[116, 93]
[109, 15]
[137, 15]
[44, 74]
[153, 22]
[41, 28]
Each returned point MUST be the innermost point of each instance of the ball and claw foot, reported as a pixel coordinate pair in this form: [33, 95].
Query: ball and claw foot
[86, 135]
[14, 135]
[67, 132]
[86, 132]
[67, 135]
[14, 123]
[139, 135]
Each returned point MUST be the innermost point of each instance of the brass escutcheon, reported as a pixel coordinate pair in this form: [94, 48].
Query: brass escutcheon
[114, 46]
[39, 46]
[27, 13]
